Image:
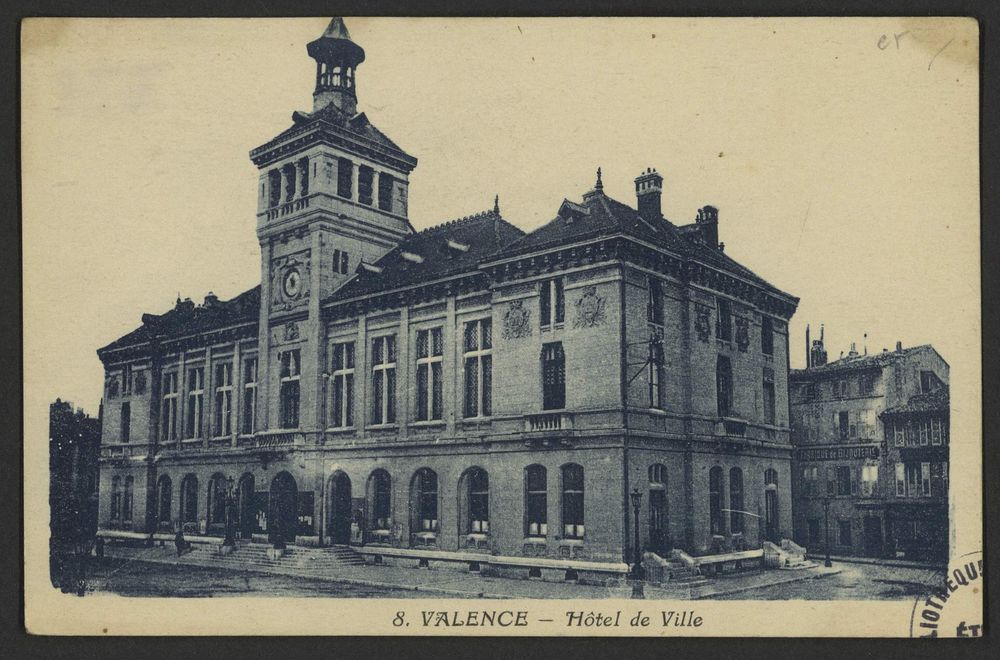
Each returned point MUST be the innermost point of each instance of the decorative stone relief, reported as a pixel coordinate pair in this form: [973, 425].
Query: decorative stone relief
[140, 382]
[589, 309]
[702, 325]
[291, 331]
[516, 321]
[742, 333]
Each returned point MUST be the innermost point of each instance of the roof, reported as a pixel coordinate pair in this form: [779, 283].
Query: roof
[337, 29]
[935, 401]
[858, 362]
[330, 113]
[186, 318]
[599, 215]
[427, 256]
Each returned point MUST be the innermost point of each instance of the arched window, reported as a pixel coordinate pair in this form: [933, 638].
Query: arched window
[127, 500]
[381, 493]
[535, 501]
[189, 499]
[164, 500]
[572, 501]
[116, 499]
[736, 514]
[217, 500]
[717, 525]
[479, 501]
[425, 496]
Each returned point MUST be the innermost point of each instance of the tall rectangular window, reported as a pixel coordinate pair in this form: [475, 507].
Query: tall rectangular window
[366, 177]
[223, 399]
[724, 319]
[656, 374]
[345, 178]
[250, 395]
[900, 480]
[385, 182]
[384, 380]
[844, 529]
[340, 262]
[273, 188]
[289, 388]
[478, 361]
[168, 419]
[925, 479]
[724, 386]
[843, 480]
[126, 379]
[572, 504]
[195, 401]
[937, 434]
[553, 376]
[126, 421]
[767, 336]
[654, 304]
[924, 429]
[843, 425]
[769, 407]
[869, 480]
[535, 501]
[898, 433]
[342, 380]
[866, 385]
[716, 521]
[552, 309]
[430, 350]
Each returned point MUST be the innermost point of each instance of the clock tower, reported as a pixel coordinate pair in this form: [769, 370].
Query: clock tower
[332, 193]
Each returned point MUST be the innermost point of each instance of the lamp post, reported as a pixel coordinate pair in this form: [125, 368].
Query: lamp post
[637, 572]
[230, 539]
[826, 525]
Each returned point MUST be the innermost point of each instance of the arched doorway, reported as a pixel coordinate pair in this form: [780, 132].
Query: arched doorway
[340, 508]
[282, 510]
[771, 506]
[246, 506]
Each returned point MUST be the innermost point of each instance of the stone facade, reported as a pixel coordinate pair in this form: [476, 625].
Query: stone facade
[465, 387]
[844, 419]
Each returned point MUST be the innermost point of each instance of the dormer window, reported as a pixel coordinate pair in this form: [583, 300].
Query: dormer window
[455, 246]
[411, 257]
[371, 268]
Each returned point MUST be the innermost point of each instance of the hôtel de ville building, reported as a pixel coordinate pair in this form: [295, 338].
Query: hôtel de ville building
[468, 387]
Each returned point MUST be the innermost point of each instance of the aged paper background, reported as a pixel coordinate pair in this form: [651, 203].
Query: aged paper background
[843, 154]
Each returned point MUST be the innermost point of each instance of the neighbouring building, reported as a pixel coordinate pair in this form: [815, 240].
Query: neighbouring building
[871, 452]
[464, 387]
[74, 446]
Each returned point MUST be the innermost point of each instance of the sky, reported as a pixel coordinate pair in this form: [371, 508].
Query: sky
[842, 155]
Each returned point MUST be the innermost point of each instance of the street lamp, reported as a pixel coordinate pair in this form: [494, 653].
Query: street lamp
[637, 573]
[230, 539]
[826, 524]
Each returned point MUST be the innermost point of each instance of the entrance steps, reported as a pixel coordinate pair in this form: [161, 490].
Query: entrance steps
[307, 561]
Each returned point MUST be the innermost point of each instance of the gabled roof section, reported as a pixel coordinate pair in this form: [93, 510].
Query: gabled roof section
[858, 362]
[186, 318]
[598, 216]
[435, 253]
[925, 402]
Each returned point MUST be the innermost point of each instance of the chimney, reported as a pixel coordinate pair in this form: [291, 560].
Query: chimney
[648, 189]
[809, 361]
[899, 347]
[210, 299]
[817, 354]
[854, 350]
[708, 220]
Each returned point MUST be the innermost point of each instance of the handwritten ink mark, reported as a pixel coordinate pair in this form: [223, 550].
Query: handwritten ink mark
[939, 52]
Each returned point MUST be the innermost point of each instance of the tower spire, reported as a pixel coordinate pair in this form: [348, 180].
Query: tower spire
[599, 185]
[337, 58]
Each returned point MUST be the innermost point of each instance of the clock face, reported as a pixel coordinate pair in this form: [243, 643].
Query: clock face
[292, 283]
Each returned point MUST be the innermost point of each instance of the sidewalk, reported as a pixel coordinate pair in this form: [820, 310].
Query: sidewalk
[471, 585]
[819, 557]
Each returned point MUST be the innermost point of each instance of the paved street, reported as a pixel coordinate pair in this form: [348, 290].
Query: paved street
[133, 573]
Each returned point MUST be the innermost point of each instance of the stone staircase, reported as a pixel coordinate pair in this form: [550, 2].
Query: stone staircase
[305, 561]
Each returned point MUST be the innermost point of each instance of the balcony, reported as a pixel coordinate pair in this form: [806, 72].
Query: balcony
[125, 451]
[731, 427]
[272, 440]
[545, 422]
[286, 208]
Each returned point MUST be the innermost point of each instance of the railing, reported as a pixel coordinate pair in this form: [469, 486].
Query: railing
[548, 422]
[272, 440]
[288, 207]
[734, 427]
[220, 442]
[124, 450]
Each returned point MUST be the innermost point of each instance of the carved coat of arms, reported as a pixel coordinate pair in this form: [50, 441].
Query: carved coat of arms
[516, 321]
[589, 309]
